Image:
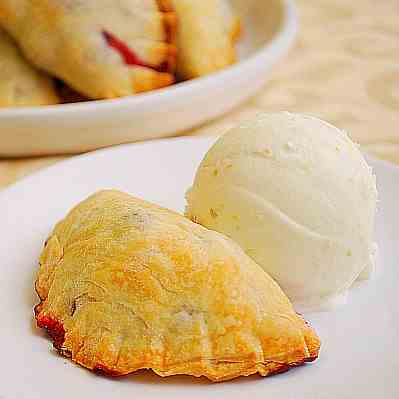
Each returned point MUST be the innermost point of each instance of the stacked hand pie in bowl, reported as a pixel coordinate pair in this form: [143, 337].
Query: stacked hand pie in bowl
[105, 49]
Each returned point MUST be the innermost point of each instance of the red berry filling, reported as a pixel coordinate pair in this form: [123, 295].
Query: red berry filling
[104, 370]
[127, 54]
[54, 328]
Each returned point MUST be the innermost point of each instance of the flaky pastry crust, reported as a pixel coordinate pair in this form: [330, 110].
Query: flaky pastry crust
[101, 48]
[20, 83]
[127, 285]
[206, 34]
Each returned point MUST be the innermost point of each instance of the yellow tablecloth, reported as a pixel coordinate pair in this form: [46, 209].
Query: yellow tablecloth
[344, 68]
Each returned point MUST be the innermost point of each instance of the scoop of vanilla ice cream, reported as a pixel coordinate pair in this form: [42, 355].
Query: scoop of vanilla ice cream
[296, 193]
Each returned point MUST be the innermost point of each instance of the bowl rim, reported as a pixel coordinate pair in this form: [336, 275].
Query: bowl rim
[279, 44]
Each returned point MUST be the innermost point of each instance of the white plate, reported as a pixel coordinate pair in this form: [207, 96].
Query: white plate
[269, 29]
[359, 356]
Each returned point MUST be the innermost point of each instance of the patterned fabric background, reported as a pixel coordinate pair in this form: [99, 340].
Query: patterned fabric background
[344, 68]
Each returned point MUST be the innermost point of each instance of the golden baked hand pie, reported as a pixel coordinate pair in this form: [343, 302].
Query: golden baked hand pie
[101, 48]
[127, 285]
[232, 20]
[20, 83]
[206, 33]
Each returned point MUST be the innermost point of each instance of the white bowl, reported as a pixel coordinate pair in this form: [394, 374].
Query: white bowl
[269, 30]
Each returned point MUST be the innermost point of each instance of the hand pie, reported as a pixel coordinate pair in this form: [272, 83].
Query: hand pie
[127, 285]
[205, 36]
[232, 21]
[101, 48]
[20, 83]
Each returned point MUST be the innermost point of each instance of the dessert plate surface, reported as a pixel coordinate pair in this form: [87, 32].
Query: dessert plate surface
[359, 356]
